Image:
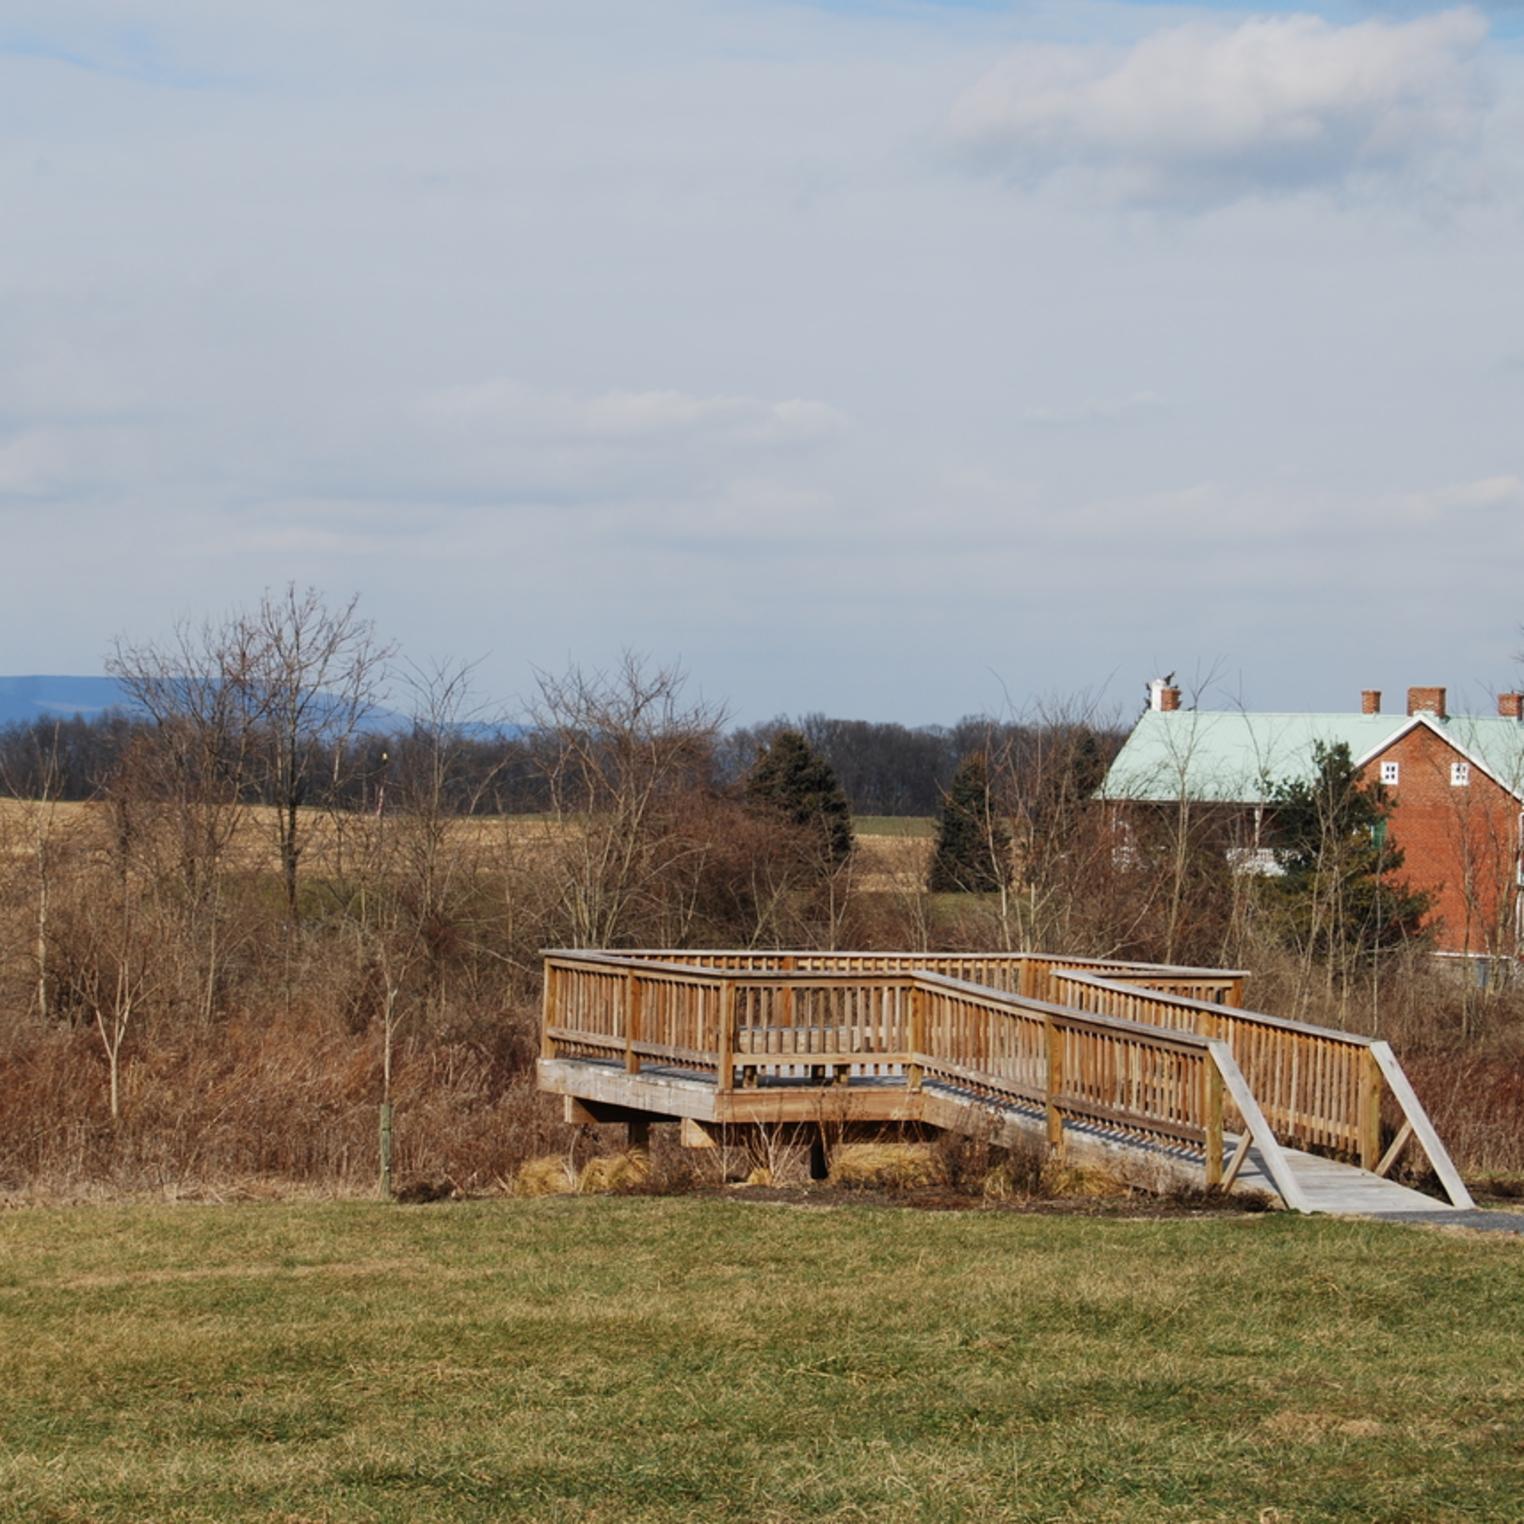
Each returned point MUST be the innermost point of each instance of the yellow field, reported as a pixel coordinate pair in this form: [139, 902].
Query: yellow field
[884, 862]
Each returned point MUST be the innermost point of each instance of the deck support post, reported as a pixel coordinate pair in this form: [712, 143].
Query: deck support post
[820, 1158]
[637, 1134]
[1369, 1119]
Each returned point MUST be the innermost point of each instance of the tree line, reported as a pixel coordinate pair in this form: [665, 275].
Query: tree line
[883, 768]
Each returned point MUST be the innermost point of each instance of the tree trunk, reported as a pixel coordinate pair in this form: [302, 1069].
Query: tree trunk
[42, 935]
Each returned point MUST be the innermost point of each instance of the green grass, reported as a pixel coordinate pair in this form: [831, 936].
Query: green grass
[894, 825]
[701, 1359]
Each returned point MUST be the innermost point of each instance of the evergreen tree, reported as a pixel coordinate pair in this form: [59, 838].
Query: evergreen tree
[1338, 894]
[973, 840]
[789, 780]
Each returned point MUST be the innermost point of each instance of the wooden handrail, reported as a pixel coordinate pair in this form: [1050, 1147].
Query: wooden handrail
[772, 957]
[1066, 1015]
[1077, 1065]
[1321, 1085]
[1081, 975]
[1308, 1080]
[1029, 971]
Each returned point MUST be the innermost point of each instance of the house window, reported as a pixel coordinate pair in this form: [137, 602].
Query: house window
[1460, 775]
[1390, 772]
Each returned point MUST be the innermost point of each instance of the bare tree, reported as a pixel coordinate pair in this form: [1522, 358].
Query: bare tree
[196, 689]
[41, 831]
[314, 676]
[263, 705]
[618, 752]
[113, 943]
[408, 898]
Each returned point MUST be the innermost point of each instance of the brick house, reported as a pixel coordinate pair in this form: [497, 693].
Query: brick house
[1457, 783]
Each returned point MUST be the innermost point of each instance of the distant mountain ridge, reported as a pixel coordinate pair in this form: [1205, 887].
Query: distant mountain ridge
[24, 700]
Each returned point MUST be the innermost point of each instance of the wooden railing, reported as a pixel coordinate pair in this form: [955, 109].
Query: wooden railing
[1164, 1086]
[1017, 973]
[1156, 1086]
[1318, 1087]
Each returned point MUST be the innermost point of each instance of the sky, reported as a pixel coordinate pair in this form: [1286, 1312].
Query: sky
[894, 360]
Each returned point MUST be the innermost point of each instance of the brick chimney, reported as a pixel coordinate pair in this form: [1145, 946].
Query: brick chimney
[1163, 697]
[1427, 701]
[1511, 706]
[1370, 701]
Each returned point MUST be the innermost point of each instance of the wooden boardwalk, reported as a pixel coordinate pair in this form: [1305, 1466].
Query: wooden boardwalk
[1158, 1071]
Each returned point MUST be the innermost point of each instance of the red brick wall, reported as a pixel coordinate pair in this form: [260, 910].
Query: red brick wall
[1459, 843]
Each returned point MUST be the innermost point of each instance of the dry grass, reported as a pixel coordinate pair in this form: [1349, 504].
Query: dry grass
[892, 864]
[888, 1166]
[254, 842]
[606, 1173]
[548, 1175]
[885, 862]
[284, 1100]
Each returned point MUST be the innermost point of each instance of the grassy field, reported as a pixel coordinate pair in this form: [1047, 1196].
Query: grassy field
[895, 825]
[712, 1359]
[894, 851]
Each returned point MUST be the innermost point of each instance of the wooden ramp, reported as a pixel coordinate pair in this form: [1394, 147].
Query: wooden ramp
[1159, 1072]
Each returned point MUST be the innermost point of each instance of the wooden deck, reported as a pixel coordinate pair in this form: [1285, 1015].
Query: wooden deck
[1160, 1072]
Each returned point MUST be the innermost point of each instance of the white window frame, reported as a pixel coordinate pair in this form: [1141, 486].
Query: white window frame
[1391, 772]
[1460, 775]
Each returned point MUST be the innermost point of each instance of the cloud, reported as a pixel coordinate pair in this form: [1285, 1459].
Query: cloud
[1204, 114]
[1489, 493]
[1108, 410]
[510, 408]
[508, 441]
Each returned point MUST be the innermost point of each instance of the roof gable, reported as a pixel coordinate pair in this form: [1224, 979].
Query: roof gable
[1512, 784]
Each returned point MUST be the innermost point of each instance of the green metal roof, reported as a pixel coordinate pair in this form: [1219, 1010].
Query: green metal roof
[1235, 757]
